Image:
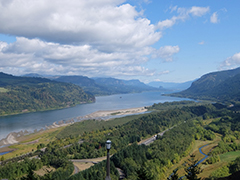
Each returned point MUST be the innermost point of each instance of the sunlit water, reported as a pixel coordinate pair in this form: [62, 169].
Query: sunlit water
[38, 120]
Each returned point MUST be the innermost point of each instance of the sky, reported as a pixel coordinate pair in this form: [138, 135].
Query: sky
[149, 40]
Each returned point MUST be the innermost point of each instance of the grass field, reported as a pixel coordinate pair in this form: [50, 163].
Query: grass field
[229, 156]
[207, 169]
[27, 142]
[225, 159]
[82, 165]
[44, 170]
[2, 90]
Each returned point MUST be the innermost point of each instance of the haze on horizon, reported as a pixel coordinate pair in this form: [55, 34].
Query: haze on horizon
[149, 40]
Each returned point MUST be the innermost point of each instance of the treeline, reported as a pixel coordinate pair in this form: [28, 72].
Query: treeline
[176, 104]
[230, 171]
[24, 170]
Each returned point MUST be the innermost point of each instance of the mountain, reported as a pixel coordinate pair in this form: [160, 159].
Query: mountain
[33, 75]
[106, 86]
[170, 85]
[25, 94]
[118, 86]
[137, 83]
[220, 86]
[87, 84]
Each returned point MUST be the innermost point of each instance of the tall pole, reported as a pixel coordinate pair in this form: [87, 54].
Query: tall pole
[108, 166]
[108, 146]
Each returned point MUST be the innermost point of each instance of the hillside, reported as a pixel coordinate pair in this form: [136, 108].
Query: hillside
[87, 84]
[107, 86]
[220, 86]
[25, 94]
[123, 86]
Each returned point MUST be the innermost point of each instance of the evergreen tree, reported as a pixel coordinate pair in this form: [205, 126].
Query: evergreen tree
[174, 175]
[193, 170]
[30, 175]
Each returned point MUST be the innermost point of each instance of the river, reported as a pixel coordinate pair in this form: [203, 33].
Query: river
[38, 120]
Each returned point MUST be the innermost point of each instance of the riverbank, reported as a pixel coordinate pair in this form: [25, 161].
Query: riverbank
[17, 137]
[106, 115]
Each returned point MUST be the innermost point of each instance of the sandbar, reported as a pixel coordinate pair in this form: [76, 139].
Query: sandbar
[15, 137]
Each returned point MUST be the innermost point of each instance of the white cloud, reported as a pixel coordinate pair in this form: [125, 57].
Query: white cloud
[231, 62]
[201, 43]
[76, 37]
[214, 18]
[100, 23]
[53, 58]
[84, 37]
[183, 14]
[173, 8]
[166, 52]
[199, 11]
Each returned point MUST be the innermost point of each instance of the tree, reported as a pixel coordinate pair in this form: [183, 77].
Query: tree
[30, 175]
[2, 158]
[174, 175]
[193, 170]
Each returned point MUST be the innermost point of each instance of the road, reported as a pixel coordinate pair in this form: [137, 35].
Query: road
[84, 160]
[153, 138]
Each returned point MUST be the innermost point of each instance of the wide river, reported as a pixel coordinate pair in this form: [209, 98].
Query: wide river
[38, 120]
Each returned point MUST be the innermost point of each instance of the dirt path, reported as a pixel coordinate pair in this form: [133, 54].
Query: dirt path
[76, 169]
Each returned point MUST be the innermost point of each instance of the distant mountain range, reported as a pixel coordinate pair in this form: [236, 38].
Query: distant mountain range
[107, 86]
[26, 94]
[171, 85]
[220, 86]
[103, 86]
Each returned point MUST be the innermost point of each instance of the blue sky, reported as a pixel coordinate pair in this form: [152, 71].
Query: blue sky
[149, 40]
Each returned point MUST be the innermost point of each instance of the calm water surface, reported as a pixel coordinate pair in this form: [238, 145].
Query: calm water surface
[38, 120]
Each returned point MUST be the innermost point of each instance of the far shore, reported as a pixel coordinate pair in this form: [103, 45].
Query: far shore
[15, 137]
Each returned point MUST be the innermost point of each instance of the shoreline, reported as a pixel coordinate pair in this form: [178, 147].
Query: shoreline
[15, 137]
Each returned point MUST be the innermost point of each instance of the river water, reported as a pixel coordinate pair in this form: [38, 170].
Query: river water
[38, 120]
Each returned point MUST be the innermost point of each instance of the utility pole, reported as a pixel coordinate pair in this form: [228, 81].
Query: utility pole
[108, 146]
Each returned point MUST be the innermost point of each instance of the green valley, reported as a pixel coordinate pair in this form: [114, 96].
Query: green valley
[194, 125]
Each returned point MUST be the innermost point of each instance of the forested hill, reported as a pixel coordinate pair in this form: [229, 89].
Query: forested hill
[26, 94]
[124, 86]
[107, 86]
[219, 86]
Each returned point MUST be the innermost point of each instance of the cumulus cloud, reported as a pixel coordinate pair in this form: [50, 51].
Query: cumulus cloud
[34, 55]
[76, 37]
[166, 52]
[214, 18]
[100, 23]
[231, 62]
[183, 14]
